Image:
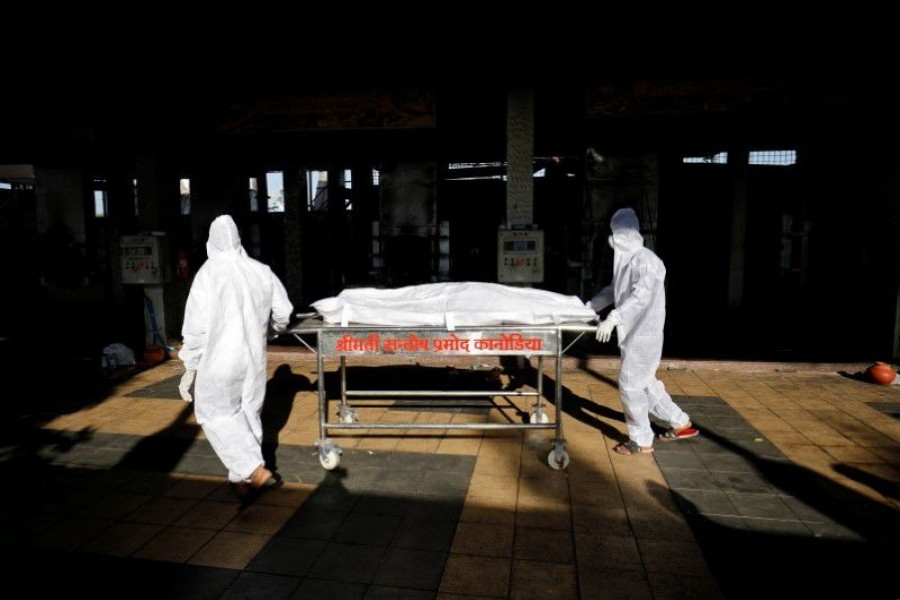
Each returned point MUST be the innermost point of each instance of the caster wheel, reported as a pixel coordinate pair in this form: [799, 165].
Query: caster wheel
[558, 459]
[348, 416]
[330, 459]
[539, 416]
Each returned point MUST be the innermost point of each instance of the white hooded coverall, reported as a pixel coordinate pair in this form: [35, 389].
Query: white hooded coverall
[233, 302]
[639, 296]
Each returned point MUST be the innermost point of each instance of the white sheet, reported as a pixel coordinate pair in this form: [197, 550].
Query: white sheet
[451, 305]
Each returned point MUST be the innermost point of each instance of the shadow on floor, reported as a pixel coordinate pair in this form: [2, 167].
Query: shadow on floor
[835, 542]
[281, 390]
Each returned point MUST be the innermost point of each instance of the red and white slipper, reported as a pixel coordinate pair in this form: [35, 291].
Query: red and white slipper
[672, 435]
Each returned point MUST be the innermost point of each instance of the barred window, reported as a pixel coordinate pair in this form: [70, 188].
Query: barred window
[720, 158]
[780, 158]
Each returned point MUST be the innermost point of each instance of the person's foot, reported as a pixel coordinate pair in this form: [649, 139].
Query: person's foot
[630, 447]
[683, 432]
[262, 478]
[241, 489]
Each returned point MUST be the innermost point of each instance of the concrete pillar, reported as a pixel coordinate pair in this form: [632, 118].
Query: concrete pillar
[60, 200]
[148, 189]
[738, 159]
[520, 156]
[121, 220]
[337, 222]
[295, 203]
[408, 208]
[128, 302]
[891, 218]
[159, 209]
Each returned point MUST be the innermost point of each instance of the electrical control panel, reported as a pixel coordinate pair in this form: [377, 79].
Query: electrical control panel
[145, 259]
[520, 256]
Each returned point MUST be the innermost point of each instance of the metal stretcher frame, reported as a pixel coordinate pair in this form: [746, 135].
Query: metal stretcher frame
[353, 340]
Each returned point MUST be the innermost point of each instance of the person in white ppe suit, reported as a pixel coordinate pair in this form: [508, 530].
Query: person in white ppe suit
[234, 304]
[638, 293]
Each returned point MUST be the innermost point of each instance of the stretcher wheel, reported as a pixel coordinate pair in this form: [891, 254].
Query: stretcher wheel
[539, 416]
[348, 415]
[330, 459]
[558, 459]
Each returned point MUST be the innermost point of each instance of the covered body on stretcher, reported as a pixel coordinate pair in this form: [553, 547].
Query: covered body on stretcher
[452, 305]
[441, 319]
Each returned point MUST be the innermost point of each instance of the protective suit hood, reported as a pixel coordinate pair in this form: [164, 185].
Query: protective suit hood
[224, 238]
[626, 232]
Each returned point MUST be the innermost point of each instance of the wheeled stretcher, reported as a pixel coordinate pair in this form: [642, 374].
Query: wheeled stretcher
[345, 341]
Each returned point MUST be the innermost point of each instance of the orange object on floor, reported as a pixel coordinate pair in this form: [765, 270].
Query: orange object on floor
[882, 373]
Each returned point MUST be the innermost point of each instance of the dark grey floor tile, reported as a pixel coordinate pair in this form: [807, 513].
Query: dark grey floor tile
[292, 452]
[287, 556]
[310, 474]
[681, 447]
[411, 461]
[319, 589]
[201, 465]
[365, 459]
[347, 562]
[692, 479]
[691, 400]
[705, 445]
[314, 524]
[377, 592]
[408, 568]
[766, 506]
[368, 529]
[728, 462]
[804, 511]
[742, 482]
[331, 497]
[382, 504]
[703, 412]
[451, 462]
[444, 483]
[777, 527]
[398, 481]
[678, 460]
[438, 494]
[704, 501]
[259, 585]
[677, 586]
[187, 582]
[361, 480]
[425, 535]
[435, 509]
[167, 389]
[103, 457]
[720, 523]
[758, 447]
[122, 442]
[718, 424]
[834, 531]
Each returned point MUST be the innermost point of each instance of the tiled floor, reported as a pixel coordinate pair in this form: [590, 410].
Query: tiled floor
[793, 488]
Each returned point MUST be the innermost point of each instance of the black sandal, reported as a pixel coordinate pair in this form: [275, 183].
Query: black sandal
[630, 448]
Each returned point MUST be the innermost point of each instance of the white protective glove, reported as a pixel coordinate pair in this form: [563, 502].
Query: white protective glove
[184, 388]
[605, 328]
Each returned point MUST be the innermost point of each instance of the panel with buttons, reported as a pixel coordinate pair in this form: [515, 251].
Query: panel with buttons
[520, 256]
[144, 259]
